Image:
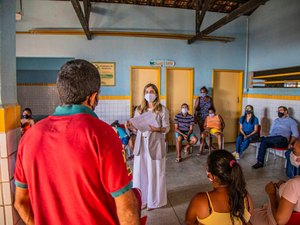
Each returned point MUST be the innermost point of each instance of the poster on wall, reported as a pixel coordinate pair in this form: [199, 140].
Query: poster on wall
[107, 72]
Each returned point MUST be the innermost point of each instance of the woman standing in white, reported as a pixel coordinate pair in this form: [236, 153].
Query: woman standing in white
[149, 167]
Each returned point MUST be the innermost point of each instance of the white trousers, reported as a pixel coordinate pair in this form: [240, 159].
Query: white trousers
[149, 177]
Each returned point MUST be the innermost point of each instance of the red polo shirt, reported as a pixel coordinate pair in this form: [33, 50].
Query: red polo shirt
[73, 166]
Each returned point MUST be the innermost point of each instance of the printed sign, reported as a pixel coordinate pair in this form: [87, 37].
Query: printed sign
[107, 72]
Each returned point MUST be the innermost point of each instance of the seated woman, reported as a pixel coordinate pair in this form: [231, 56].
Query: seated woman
[281, 205]
[183, 125]
[228, 203]
[248, 131]
[26, 121]
[213, 125]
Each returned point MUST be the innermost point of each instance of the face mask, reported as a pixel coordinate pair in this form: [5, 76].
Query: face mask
[150, 97]
[211, 114]
[248, 111]
[184, 110]
[26, 116]
[293, 159]
[280, 114]
[203, 94]
[210, 179]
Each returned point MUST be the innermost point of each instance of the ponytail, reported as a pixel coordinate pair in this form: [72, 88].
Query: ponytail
[237, 193]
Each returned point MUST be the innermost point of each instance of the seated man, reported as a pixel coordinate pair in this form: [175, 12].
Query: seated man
[184, 123]
[283, 134]
[213, 125]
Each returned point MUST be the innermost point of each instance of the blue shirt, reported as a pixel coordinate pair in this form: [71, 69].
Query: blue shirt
[285, 127]
[247, 127]
[121, 132]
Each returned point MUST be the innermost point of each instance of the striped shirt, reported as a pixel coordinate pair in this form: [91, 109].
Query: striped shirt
[184, 122]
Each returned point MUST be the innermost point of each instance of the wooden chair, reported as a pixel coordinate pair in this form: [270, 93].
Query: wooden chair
[210, 136]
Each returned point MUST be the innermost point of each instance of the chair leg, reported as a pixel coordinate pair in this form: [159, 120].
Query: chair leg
[222, 141]
[267, 155]
[257, 149]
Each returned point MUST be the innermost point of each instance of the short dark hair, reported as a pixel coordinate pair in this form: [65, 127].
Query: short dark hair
[76, 80]
[284, 108]
[204, 88]
[28, 110]
[185, 104]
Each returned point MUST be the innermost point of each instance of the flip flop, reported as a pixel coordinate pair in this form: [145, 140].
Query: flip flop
[178, 160]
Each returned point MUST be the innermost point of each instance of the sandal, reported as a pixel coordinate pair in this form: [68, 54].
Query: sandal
[178, 160]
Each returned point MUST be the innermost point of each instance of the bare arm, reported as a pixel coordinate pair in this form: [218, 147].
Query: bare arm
[222, 123]
[23, 206]
[191, 213]
[282, 209]
[177, 130]
[292, 142]
[127, 209]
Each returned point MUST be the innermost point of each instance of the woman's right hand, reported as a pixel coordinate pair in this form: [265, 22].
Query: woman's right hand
[270, 188]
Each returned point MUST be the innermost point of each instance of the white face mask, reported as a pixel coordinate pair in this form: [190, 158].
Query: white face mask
[293, 159]
[211, 114]
[150, 97]
[184, 110]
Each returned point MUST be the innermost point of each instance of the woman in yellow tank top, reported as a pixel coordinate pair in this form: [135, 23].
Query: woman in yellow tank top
[229, 203]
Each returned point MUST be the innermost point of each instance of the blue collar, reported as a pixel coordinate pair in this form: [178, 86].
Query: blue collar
[67, 110]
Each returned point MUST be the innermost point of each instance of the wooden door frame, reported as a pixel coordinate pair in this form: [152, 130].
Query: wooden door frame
[240, 91]
[158, 73]
[191, 103]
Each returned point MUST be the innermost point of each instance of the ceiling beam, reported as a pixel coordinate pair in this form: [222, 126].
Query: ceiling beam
[87, 10]
[205, 6]
[243, 9]
[82, 18]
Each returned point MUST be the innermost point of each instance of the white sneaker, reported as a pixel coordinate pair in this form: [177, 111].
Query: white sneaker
[236, 155]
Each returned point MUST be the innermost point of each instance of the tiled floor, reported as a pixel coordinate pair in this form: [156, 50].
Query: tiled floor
[187, 178]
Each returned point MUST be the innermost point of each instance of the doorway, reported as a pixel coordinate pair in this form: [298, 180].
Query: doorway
[227, 96]
[179, 89]
[140, 76]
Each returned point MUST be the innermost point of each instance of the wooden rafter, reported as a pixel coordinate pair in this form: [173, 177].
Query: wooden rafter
[87, 10]
[205, 6]
[245, 8]
[83, 18]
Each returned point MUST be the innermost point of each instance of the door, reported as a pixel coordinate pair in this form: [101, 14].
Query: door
[179, 89]
[139, 78]
[227, 97]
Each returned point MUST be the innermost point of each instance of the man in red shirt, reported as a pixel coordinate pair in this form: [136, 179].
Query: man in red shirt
[70, 168]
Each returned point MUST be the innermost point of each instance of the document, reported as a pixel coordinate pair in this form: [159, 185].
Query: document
[143, 121]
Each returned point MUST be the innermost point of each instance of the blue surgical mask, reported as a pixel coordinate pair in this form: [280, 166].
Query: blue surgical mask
[203, 94]
[211, 114]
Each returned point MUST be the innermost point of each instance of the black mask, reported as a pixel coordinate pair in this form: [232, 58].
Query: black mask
[280, 114]
[26, 116]
[248, 111]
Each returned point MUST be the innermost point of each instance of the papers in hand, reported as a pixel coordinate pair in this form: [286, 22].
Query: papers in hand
[143, 121]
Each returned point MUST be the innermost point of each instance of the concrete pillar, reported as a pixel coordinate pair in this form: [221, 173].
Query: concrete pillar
[9, 111]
